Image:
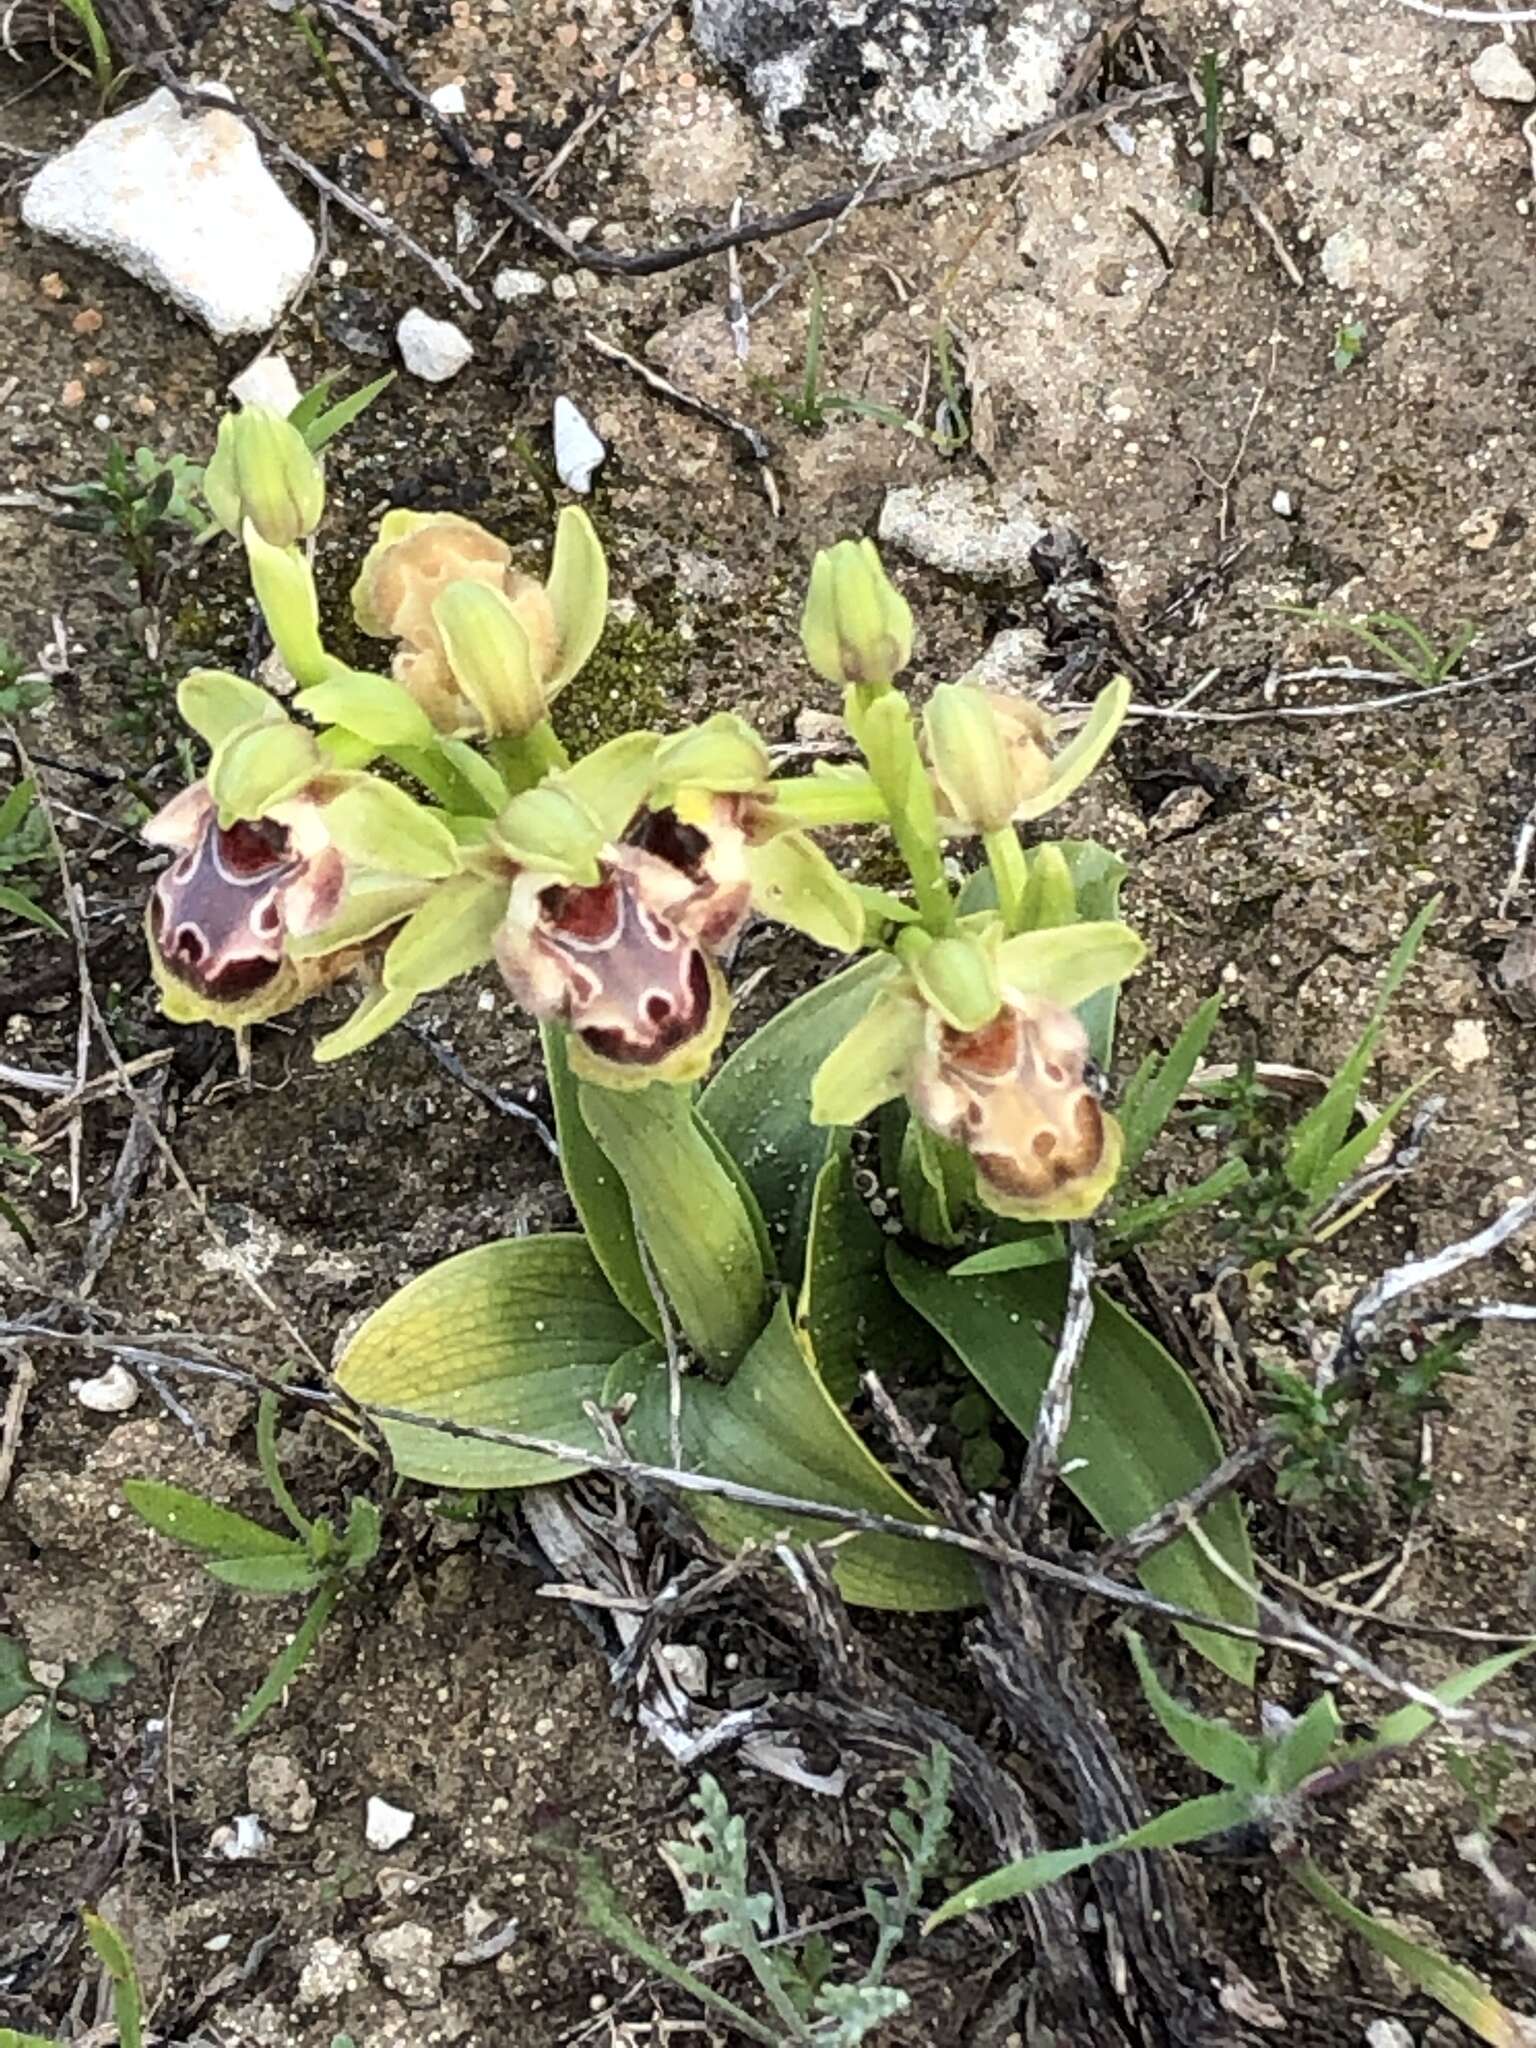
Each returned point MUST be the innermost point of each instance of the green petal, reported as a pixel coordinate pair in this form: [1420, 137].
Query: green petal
[870, 1066]
[578, 592]
[794, 882]
[379, 1011]
[957, 978]
[1077, 761]
[376, 708]
[1070, 962]
[490, 655]
[380, 827]
[216, 704]
[448, 936]
[259, 765]
[371, 904]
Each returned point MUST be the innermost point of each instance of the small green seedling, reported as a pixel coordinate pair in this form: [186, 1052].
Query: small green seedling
[127, 1994]
[142, 504]
[262, 1562]
[21, 689]
[24, 844]
[1348, 344]
[1270, 1783]
[1395, 640]
[808, 2008]
[319, 422]
[813, 403]
[45, 1781]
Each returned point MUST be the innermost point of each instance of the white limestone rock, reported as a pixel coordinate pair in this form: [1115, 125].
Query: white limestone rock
[433, 350]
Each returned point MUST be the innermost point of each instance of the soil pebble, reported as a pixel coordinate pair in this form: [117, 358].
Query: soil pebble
[964, 526]
[387, 1826]
[433, 350]
[222, 239]
[1499, 74]
[279, 1792]
[405, 1958]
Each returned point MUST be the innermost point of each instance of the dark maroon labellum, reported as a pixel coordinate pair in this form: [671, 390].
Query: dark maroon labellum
[217, 913]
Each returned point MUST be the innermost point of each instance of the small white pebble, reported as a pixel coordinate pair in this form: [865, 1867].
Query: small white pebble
[268, 381]
[1466, 1044]
[433, 350]
[1498, 73]
[448, 99]
[578, 450]
[1261, 148]
[1283, 503]
[510, 283]
[386, 1826]
[110, 1393]
[243, 1839]
[581, 227]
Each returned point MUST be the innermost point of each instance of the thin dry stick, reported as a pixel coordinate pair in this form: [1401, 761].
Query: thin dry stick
[132, 1164]
[1364, 709]
[802, 263]
[688, 400]
[674, 1353]
[1525, 845]
[1474, 17]
[1267, 228]
[1171, 1521]
[1042, 1461]
[23, 1377]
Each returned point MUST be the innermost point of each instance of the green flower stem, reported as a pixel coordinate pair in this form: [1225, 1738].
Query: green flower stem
[524, 762]
[434, 773]
[890, 746]
[1005, 857]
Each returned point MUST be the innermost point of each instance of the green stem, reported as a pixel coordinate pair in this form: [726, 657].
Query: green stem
[293, 1659]
[880, 719]
[524, 762]
[429, 768]
[1010, 870]
[271, 1469]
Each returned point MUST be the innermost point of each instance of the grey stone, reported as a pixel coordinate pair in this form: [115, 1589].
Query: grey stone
[329, 1971]
[1499, 74]
[905, 77]
[279, 1792]
[406, 1958]
[964, 526]
[510, 283]
[184, 203]
[433, 350]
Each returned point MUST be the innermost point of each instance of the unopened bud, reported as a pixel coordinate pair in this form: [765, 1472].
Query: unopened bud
[986, 753]
[285, 590]
[491, 657]
[262, 471]
[856, 627]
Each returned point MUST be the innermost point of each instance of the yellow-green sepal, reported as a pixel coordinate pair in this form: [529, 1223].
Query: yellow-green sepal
[871, 1064]
[258, 766]
[794, 882]
[376, 708]
[379, 1011]
[376, 825]
[215, 704]
[1068, 963]
[1050, 893]
[1083, 753]
[614, 781]
[577, 588]
[856, 627]
[723, 755]
[449, 935]
[491, 657]
[551, 829]
[370, 905]
[957, 977]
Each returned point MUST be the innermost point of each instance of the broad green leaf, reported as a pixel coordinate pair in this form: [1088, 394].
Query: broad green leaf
[1193, 1820]
[1150, 1099]
[1221, 1751]
[271, 1576]
[1045, 1246]
[1305, 1746]
[1410, 1722]
[774, 1425]
[849, 1313]
[16, 807]
[16, 1680]
[43, 1747]
[1466, 1997]
[1139, 1426]
[759, 1102]
[1321, 1131]
[1097, 875]
[16, 903]
[98, 1680]
[596, 1188]
[202, 1524]
[514, 1335]
[689, 1210]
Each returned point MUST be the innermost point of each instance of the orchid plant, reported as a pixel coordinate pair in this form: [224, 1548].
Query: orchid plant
[876, 1178]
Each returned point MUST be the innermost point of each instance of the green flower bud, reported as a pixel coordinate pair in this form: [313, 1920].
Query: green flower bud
[490, 658]
[986, 753]
[956, 977]
[856, 627]
[262, 471]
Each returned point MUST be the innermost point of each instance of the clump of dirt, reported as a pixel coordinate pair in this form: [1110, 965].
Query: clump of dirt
[1154, 378]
